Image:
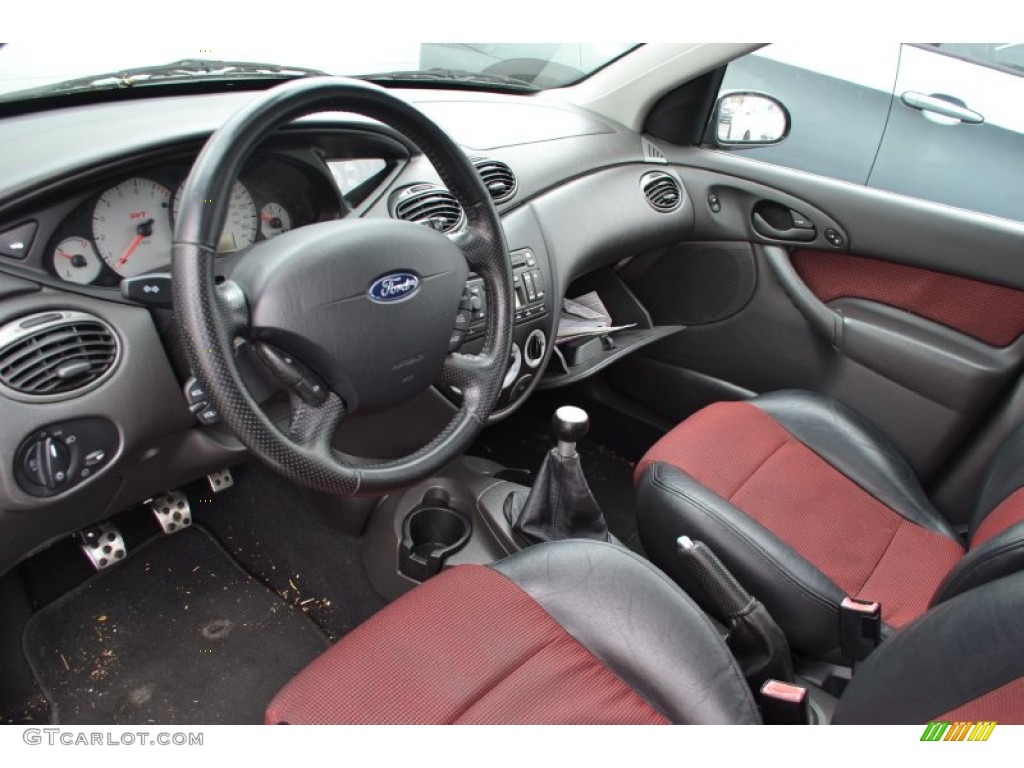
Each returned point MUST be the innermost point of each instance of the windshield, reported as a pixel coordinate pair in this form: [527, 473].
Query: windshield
[29, 70]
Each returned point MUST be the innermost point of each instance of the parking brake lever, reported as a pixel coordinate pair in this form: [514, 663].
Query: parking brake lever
[756, 641]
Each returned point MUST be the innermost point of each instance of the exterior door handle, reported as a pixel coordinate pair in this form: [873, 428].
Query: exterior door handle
[941, 105]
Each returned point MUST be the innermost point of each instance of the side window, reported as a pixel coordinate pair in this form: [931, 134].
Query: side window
[956, 131]
[940, 121]
[838, 97]
[1008, 56]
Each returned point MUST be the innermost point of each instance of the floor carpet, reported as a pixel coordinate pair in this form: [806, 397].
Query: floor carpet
[178, 633]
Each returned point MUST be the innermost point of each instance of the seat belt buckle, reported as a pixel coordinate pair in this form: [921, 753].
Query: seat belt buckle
[860, 627]
[784, 703]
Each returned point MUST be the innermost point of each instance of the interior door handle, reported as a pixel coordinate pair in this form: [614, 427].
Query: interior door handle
[941, 105]
[795, 234]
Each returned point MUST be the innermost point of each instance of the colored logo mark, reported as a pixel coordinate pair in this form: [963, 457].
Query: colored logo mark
[970, 731]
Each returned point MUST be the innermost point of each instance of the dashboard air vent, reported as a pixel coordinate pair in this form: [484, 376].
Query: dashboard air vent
[55, 353]
[428, 204]
[662, 191]
[497, 177]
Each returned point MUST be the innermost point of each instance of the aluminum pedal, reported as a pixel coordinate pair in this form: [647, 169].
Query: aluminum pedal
[221, 480]
[172, 511]
[103, 544]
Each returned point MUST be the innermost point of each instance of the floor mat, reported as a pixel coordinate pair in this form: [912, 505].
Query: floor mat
[178, 633]
[281, 534]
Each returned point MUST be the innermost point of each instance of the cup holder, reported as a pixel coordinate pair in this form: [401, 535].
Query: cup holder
[430, 534]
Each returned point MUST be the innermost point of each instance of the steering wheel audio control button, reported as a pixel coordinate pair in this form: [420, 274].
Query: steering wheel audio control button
[194, 392]
[205, 414]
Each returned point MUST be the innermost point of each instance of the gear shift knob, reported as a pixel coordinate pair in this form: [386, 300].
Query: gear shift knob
[571, 425]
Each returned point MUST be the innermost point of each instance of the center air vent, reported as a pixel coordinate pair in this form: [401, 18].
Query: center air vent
[497, 177]
[662, 191]
[55, 353]
[428, 204]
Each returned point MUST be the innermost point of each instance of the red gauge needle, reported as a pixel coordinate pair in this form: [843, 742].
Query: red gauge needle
[65, 254]
[131, 247]
[145, 229]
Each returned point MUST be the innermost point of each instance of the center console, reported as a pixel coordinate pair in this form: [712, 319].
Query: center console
[534, 315]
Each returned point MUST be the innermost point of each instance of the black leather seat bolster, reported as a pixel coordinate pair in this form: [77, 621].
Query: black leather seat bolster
[999, 556]
[1004, 477]
[958, 651]
[852, 445]
[640, 624]
[802, 600]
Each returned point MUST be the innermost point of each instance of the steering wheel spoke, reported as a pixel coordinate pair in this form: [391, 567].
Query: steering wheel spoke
[313, 424]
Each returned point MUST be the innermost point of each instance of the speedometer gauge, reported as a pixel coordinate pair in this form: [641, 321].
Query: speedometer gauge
[132, 228]
[241, 224]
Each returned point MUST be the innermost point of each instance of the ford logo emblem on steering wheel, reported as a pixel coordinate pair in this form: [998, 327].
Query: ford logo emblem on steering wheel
[393, 287]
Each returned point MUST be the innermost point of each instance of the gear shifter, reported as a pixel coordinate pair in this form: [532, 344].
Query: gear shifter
[560, 504]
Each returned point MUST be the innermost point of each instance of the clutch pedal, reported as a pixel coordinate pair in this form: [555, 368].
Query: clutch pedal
[103, 544]
[172, 511]
[220, 480]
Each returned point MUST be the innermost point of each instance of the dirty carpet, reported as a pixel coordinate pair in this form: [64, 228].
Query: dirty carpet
[178, 633]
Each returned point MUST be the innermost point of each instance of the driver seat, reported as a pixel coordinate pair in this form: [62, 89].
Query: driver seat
[579, 631]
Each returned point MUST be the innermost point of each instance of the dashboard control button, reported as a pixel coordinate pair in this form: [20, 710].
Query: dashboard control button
[94, 458]
[16, 241]
[32, 464]
[57, 457]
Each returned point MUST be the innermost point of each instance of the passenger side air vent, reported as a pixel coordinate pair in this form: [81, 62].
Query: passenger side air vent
[55, 353]
[497, 177]
[662, 191]
[428, 204]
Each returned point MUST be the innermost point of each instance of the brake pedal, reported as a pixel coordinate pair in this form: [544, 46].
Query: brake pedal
[172, 511]
[103, 544]
[221, 480]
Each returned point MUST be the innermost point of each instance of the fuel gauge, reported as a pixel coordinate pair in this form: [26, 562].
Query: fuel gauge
[76, 261]
[274, 220]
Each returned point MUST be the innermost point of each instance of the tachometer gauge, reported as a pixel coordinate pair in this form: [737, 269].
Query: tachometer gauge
[241, 224]
[132, 228]
[274, 220]
[75, 260]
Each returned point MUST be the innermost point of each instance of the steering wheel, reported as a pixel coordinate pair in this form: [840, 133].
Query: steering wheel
[349, 315]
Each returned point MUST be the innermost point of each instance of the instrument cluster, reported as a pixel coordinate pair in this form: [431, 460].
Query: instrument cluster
[125, 228]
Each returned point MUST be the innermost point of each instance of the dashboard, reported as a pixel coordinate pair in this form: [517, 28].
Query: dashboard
[88, 201]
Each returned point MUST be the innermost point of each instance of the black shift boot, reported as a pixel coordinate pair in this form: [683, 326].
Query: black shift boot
[560, 504]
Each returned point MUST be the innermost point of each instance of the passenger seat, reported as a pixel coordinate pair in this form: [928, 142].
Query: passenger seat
[807, 503]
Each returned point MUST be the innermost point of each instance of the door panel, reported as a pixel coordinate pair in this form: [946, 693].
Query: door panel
[990, 313]
[879, 224]
[920, 331]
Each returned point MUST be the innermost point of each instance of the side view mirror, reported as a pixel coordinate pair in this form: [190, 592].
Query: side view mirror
[749, 119]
